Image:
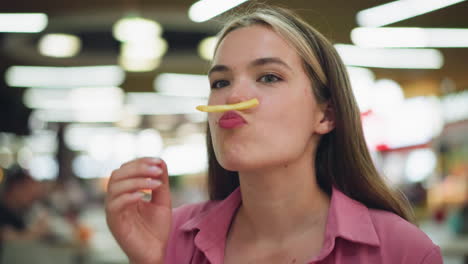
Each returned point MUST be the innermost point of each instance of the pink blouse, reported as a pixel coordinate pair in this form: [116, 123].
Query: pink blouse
[354, 234]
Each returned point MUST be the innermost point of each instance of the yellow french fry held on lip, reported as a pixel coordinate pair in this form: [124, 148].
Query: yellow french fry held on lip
[228, 107]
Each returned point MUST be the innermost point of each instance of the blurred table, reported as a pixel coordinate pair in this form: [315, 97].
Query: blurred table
[456, 246]
[450, 244]
[103, 249]
[27, 252]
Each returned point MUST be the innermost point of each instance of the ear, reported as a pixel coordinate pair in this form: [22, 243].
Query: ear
[327, 119]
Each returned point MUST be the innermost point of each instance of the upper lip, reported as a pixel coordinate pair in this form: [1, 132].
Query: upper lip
[231, 115]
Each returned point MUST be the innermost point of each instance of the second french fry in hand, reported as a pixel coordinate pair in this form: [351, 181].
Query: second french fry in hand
[228, 107]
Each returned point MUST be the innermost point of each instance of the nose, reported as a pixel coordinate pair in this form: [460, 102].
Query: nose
[240, 91]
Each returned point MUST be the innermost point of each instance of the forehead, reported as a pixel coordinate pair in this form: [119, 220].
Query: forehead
[249, 43]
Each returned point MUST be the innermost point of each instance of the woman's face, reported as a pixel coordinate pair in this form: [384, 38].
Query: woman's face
[255, 62]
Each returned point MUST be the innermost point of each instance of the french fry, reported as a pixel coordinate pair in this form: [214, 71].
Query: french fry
[228, 107]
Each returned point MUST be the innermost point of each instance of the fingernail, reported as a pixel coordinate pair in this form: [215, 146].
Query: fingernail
[155, 169]
[138, 195]
[156, 160]
[154, 182]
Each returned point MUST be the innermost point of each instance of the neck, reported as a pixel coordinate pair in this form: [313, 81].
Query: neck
[278, 203]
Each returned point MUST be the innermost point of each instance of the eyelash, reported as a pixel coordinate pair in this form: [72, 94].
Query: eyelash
[277, 79]
[214, 84]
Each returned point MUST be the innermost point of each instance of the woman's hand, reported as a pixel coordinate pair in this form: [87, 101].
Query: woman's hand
[140, 227]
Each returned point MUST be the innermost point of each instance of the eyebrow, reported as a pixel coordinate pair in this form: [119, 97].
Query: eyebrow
[218, 68]
[255, 63]
[270, 60]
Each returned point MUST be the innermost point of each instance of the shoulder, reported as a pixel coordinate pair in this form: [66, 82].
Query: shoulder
[391, 227]
[404, 240]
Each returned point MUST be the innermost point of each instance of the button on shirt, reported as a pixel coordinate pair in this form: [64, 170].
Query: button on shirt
[354, 234]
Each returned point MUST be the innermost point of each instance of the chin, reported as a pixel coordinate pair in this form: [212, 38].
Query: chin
[233, 165]
[243, 164]
[236, 162]
[238, 159]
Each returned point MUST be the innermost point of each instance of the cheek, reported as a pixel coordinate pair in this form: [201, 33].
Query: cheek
[291, 114]
[213, 121]
[213, 125]
[217, 97]
[211, 98]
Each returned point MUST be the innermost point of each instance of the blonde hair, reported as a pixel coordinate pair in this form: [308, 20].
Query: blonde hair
[342, 158]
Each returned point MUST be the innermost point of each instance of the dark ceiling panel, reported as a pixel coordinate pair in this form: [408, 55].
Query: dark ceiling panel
[334, 18]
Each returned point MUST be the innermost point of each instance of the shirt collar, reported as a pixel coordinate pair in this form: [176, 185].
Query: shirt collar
[347, 219]
[217, 216]
[351, 220]
[213, 226]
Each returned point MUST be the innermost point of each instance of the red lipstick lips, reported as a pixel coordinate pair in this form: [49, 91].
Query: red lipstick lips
[231, 119]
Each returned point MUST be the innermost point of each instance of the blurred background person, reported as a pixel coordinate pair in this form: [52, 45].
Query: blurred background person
[19, 192]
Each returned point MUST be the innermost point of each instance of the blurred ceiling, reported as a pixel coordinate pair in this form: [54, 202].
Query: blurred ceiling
[92, 21]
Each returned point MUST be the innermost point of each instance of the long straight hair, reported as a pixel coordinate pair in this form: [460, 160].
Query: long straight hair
[342, 158]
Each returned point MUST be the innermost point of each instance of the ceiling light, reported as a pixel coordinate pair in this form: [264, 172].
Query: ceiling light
[390, 58]
[139, 65]
[149, 143]
[420, 164]
[59, 45]
[134, 28]
[156, 104]
[85, 167]
[43, 141]
[417, 121]
[360, 74]
[78, 136]
[64, 77]
[23, 22]
[99, 98]
[177, 84]
[81, 116]
[57, 99]
[129, 119]
[144, 50]
[399, 10]
[387, 95]
[206, 48]
[410, 37]
[102, 104]
[43, 167]
[362, 82]
[186, 158]
[142, 56]
[124, 146]
[6, 159]
[24, 156]
[77, 98]
[455, 107]
[414, 122]
[206, 9]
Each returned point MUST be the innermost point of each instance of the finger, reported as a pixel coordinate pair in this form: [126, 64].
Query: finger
[132, 185]
[116, 205]
[145, 167]
[147, 160]
[162, 195]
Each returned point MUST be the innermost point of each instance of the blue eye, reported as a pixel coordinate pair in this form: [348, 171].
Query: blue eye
[219, 84]
[269, 78]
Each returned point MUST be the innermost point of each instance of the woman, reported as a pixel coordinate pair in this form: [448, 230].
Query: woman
[291, 182]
